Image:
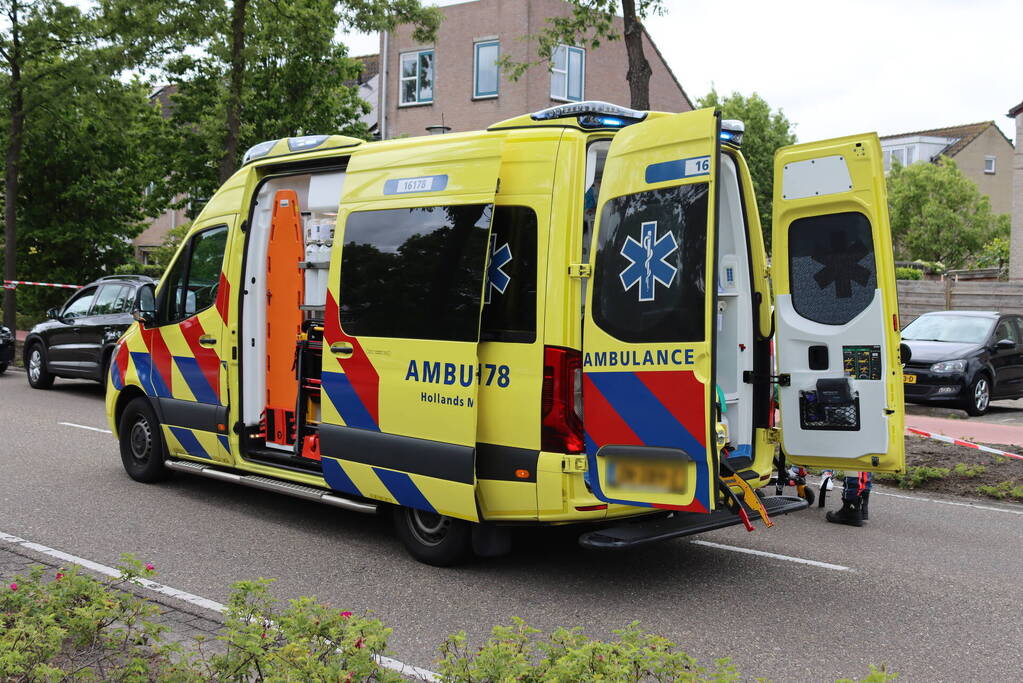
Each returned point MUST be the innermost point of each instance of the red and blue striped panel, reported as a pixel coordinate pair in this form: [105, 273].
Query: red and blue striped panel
[355, 392]
[661, 409]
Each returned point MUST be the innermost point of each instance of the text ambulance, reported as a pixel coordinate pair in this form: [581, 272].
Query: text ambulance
[567, 317]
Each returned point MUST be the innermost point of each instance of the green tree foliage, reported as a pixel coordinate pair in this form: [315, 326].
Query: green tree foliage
[592, 23]
[766, 131]
[938, 214]
[271, 69]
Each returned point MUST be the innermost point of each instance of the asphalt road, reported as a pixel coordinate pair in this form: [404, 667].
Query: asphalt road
[933, 590]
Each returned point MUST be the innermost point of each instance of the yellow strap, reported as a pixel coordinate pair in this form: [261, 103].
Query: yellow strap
[749, 497]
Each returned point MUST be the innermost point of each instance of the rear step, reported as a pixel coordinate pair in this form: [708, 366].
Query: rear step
[679, 524]
[267, 484]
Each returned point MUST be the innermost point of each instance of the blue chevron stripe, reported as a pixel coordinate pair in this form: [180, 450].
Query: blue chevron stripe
[337, 478]
[189, 442]
[404, 489]
[196, 380]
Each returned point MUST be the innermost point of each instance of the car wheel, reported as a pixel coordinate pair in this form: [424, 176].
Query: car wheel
[433, 538]
[3, 367]
[38, 376]
[978, 400]
[141, 441]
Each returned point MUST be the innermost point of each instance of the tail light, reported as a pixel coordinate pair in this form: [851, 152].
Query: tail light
[562, 401]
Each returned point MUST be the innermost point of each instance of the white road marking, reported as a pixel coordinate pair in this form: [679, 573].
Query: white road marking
[787, 558]
[948, 502]
[197, 600]
[91, 429]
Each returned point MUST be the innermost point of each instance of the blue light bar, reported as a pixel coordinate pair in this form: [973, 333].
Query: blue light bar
[305, 142]
[593, 108]
[260, 150]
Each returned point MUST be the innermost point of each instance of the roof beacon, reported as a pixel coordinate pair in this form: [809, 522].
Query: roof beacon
[256, 151]
[305, 142]
[592, 114]
[732, 130]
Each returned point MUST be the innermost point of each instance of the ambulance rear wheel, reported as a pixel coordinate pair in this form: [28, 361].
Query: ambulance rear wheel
[433, 538]
[142, 443]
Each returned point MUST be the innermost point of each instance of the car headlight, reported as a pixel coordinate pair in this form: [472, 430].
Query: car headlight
[949, 366]
[5, 334]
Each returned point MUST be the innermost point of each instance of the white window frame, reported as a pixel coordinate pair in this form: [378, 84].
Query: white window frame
[476, 94]
[416, 55]
[994, 161]
[567, 71]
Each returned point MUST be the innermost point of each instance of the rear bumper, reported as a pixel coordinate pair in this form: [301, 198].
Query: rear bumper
[679, 524]
[930, 386]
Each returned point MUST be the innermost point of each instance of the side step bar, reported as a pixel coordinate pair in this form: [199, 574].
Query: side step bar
[267, 484]
[630, 534]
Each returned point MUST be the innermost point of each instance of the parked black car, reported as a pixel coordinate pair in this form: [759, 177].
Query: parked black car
[965, 357]
[6, 348]
[78, 339]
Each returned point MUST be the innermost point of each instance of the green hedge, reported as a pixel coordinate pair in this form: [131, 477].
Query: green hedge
[64, 625]
[907, 273]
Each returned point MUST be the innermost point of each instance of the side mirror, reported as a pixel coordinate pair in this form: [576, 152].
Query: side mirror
[53, 313]
[144, 309]
[1005, 344]
[905, 353]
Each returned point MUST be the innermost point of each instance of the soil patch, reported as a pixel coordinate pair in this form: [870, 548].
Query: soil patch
[930, 453]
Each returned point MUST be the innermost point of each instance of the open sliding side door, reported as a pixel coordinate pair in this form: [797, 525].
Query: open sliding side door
[836, 309]
[402, 322]
[648, 353]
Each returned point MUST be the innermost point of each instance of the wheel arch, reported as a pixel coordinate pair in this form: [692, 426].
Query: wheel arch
[127, 395]
[30, 341]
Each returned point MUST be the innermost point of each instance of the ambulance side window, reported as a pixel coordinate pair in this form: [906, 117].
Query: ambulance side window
[414, 273]
[190, 286]
[509, 300]
[649, 274]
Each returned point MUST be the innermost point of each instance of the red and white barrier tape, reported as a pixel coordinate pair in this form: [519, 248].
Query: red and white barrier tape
[960, 442]
[11, 284]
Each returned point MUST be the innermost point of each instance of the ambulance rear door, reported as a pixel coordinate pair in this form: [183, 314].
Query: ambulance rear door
[402, 320]
[836, 310]
[648, 335]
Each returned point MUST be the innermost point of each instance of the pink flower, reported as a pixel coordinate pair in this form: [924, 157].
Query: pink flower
[359, 642]
[345, 615]
[14, 586]
[149, 567]
[59, 576]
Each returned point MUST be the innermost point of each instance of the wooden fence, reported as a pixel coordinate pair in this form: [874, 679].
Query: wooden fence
[920, 296]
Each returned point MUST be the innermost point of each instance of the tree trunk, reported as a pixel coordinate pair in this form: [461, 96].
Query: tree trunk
[228, 162]
[639, 68]
[16, 126]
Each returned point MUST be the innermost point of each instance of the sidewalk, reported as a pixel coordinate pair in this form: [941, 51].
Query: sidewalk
[969, 430]
[182, 625]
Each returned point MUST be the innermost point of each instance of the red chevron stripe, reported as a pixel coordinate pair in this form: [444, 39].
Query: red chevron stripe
[682, 394]
[602, 422]
[160, 354]
[223, 296]
[121, 362]
[208, 360]
[358, 368]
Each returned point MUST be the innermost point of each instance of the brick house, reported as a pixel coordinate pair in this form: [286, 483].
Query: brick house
[981, 151]
[454, 81]
[1016, 241]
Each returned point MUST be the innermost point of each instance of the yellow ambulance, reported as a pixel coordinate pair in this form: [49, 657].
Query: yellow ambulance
[567, 318]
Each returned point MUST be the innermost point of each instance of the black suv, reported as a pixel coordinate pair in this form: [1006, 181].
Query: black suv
[79, 338]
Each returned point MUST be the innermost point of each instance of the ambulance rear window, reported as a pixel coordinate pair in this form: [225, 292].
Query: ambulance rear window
[650, 264]
[509, 300]
[414, 273]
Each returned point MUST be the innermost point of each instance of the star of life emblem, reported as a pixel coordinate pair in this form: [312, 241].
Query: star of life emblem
[647, 264]
[496, 277]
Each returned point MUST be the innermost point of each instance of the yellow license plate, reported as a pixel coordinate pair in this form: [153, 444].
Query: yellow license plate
[648, 476]
[909, 379]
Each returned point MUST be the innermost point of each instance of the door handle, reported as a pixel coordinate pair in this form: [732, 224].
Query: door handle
[343, 349]
[207, 340]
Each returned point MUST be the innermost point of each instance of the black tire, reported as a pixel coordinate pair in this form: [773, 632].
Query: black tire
[142, 449]
[808, 495]
[3, 367]
[978, 399]
[35, 367]
[433, 538]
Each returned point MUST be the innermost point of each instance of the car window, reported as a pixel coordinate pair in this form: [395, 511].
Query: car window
[78, 306]
[1006, 330]
[191, 284]
[949, 328]
[109, 300]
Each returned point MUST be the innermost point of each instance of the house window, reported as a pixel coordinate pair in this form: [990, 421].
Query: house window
[899, 156]
[568, 71]
[417, 77]
[485, 74]
[910, 155]
[989, 165]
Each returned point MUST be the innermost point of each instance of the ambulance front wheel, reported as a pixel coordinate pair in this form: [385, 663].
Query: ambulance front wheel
[142, 442]
[433, 538]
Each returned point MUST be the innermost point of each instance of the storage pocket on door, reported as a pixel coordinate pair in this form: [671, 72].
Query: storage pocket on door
[833, 405]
